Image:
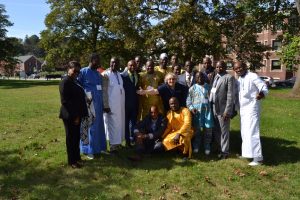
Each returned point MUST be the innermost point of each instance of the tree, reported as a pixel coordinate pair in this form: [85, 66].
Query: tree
[290, 54]
[8, 46]
[187, 31]
[4, 23]
[188, 28]
[32, 46]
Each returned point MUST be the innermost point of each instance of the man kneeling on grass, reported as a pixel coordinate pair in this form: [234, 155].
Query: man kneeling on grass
[148, 133]
[179, 132]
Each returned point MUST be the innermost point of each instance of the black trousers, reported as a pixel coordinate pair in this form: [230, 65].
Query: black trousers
[130, 122]
[72, 141]
[149, 146]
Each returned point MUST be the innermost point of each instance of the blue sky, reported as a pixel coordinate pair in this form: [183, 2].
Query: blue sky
[27, 15]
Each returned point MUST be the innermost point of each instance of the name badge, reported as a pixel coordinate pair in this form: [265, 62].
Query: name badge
[213, 90]
[205, 101]
[99, 87]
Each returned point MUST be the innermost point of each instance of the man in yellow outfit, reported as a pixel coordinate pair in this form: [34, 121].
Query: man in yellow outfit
[150, 79]
[179, 132]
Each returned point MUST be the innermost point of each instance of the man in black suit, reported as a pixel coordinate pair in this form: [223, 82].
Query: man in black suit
[130, 85]
[148, 133]
[73, 109]
[208, 70]
[187, 78]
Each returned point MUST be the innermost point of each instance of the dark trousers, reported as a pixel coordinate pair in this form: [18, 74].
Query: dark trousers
[149, 146]
[130, 122]
[72, 141]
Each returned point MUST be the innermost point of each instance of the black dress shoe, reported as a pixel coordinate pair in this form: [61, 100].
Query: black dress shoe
[80, 162]
[222, 156]
[76, 166]
[128, 145]
[135, 158]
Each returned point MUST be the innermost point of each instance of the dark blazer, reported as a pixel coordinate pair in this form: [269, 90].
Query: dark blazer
[72, 98]
[180, 92]
[182, 78]
[209, 75]
[131, 97]
[145, 126]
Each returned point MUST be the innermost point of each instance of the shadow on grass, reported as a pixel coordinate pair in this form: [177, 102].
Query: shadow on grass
[14, 84]
[276, 151]
[19, 176]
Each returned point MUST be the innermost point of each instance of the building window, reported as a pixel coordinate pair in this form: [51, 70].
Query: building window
[266, 42]
[276, 44]
[276, 65]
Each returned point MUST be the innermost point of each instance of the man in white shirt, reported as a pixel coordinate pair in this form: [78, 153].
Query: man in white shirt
[251, 90]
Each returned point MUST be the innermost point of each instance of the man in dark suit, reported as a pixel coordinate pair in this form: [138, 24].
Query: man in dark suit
[148, 132]
[73, 109]
[208, 70]
[222, 99]
[130, 85]
[187, 78]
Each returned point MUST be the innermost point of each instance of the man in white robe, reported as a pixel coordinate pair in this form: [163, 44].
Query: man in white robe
[114, 121]
[251, 90]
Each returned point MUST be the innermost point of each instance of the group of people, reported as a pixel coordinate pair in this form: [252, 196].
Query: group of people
[157, 108]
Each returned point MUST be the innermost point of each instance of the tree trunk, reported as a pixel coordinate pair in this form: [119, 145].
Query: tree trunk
[296, 88]
[298, 5]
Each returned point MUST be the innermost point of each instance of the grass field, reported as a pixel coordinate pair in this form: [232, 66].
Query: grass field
[33, 157]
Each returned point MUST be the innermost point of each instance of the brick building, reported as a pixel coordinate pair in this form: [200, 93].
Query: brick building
[26, 64]
[272, 65]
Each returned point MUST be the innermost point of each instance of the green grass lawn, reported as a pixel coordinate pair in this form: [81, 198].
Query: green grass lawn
[33, 157]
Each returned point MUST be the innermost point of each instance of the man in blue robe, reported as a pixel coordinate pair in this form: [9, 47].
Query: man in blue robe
[92, 82]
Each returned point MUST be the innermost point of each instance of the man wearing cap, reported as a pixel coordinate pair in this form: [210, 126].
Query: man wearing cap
[163, 62]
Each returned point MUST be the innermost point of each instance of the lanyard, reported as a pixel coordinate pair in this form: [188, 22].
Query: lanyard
[117, 77]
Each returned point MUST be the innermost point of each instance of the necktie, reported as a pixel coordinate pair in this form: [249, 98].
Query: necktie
[212, 94]
[188, 76]
[216, 81]
[133, 79]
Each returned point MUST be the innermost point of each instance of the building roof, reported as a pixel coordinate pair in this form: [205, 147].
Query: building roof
[25, 58]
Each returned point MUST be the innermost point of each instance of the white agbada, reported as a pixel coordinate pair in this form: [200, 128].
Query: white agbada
[249, 86]
[114, 122]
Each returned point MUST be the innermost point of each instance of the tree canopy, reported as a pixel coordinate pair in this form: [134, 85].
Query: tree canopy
[189, 28]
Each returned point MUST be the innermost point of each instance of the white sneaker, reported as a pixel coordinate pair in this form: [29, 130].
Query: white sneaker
[253, 163]
[207, 152]
[196, 150]
[90, 156]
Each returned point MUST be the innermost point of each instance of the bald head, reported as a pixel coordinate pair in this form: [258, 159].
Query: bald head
[240, 68]
[150, 66]
[114, 63]
[154, 112]
[221, 67]
[131, 66]
[174, 104]
[207, 63]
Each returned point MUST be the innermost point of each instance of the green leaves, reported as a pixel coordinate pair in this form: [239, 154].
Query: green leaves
[189, 28]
